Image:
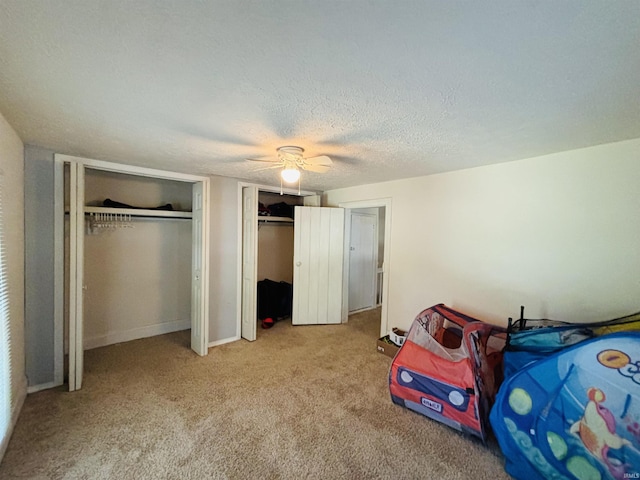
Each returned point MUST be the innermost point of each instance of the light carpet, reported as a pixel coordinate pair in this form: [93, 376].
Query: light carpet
[300, 402]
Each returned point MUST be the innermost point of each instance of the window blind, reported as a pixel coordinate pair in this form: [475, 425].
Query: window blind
[5, 328]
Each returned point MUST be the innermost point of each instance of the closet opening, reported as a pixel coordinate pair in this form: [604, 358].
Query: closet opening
[137, 277]
[135, 260]
[275, 260]
[267, 229]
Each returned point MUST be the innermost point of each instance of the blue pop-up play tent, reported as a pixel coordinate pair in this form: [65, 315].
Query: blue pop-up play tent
[574, 414]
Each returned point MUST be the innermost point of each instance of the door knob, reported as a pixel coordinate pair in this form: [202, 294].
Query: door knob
[298, 264]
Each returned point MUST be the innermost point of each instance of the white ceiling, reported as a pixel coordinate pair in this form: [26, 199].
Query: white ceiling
[389, 89]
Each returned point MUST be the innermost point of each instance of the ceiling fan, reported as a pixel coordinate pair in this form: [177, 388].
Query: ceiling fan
[291, 161]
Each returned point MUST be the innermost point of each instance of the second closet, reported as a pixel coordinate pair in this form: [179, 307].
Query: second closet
[275, 246]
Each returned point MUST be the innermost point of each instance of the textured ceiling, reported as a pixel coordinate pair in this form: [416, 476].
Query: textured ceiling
[388, 89]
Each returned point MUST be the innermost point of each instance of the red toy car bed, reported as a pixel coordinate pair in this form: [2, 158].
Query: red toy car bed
[449, 369]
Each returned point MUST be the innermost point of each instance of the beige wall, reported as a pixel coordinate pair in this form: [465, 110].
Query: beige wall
[557, 234]
[138, 281]
[12, 178]
[275, 252]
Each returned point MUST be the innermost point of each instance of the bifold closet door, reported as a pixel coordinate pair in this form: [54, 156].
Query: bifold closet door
[199, 332]
[249, 263]
[318, 265]
[76, 275]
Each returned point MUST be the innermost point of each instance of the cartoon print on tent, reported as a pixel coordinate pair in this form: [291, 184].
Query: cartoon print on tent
[575, 414]
[617, 360]
[597, 430]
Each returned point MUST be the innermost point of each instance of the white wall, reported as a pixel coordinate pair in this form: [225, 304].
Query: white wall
[12, 178]
[557, 234]
[39, 265]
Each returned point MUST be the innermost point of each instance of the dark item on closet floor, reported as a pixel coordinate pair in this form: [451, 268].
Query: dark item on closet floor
[113, 204]
[274, 299]
[281, 210]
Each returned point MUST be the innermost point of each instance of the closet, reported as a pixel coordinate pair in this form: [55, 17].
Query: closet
[276, 236]
[137, 261]
[135, 267]
[318, 237]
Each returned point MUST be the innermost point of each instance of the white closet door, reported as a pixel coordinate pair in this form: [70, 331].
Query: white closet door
[76, 275]
[363, 259]
[249, 262]
[317, 272]
[199, 334]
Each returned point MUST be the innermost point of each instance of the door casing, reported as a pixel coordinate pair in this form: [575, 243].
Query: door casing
[386, 265]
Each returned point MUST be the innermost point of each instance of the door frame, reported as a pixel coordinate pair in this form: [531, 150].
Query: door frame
[59, 261]
[386, 265]
[241, 241]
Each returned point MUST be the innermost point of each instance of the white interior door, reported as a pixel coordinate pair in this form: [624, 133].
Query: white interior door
[363, 261]
[249, 262]
[199, 330]
[318, 265]
[76, 275]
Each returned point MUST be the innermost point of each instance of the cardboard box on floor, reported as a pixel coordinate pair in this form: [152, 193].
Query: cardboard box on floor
[387, 347]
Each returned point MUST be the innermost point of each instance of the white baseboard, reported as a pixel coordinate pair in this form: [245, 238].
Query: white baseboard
[136, 333]
[21, 394]
[43, 386]
[223, 341]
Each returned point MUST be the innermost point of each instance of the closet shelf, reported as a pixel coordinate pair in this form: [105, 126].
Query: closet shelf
[275, 220]
[139, 212]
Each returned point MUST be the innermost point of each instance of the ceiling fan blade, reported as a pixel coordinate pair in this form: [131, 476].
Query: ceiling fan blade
[270, 160]
[321, 160]
[316, 168]
[266, 168]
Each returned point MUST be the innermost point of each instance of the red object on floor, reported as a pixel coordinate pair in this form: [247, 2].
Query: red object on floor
[449, 369]
[267, 322]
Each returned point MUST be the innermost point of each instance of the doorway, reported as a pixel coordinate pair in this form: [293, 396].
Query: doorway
[381, 208]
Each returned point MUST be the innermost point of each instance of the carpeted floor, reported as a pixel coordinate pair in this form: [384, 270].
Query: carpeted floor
[300, 402]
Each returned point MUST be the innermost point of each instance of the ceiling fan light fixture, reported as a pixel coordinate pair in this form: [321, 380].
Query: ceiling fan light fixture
[290, 175]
